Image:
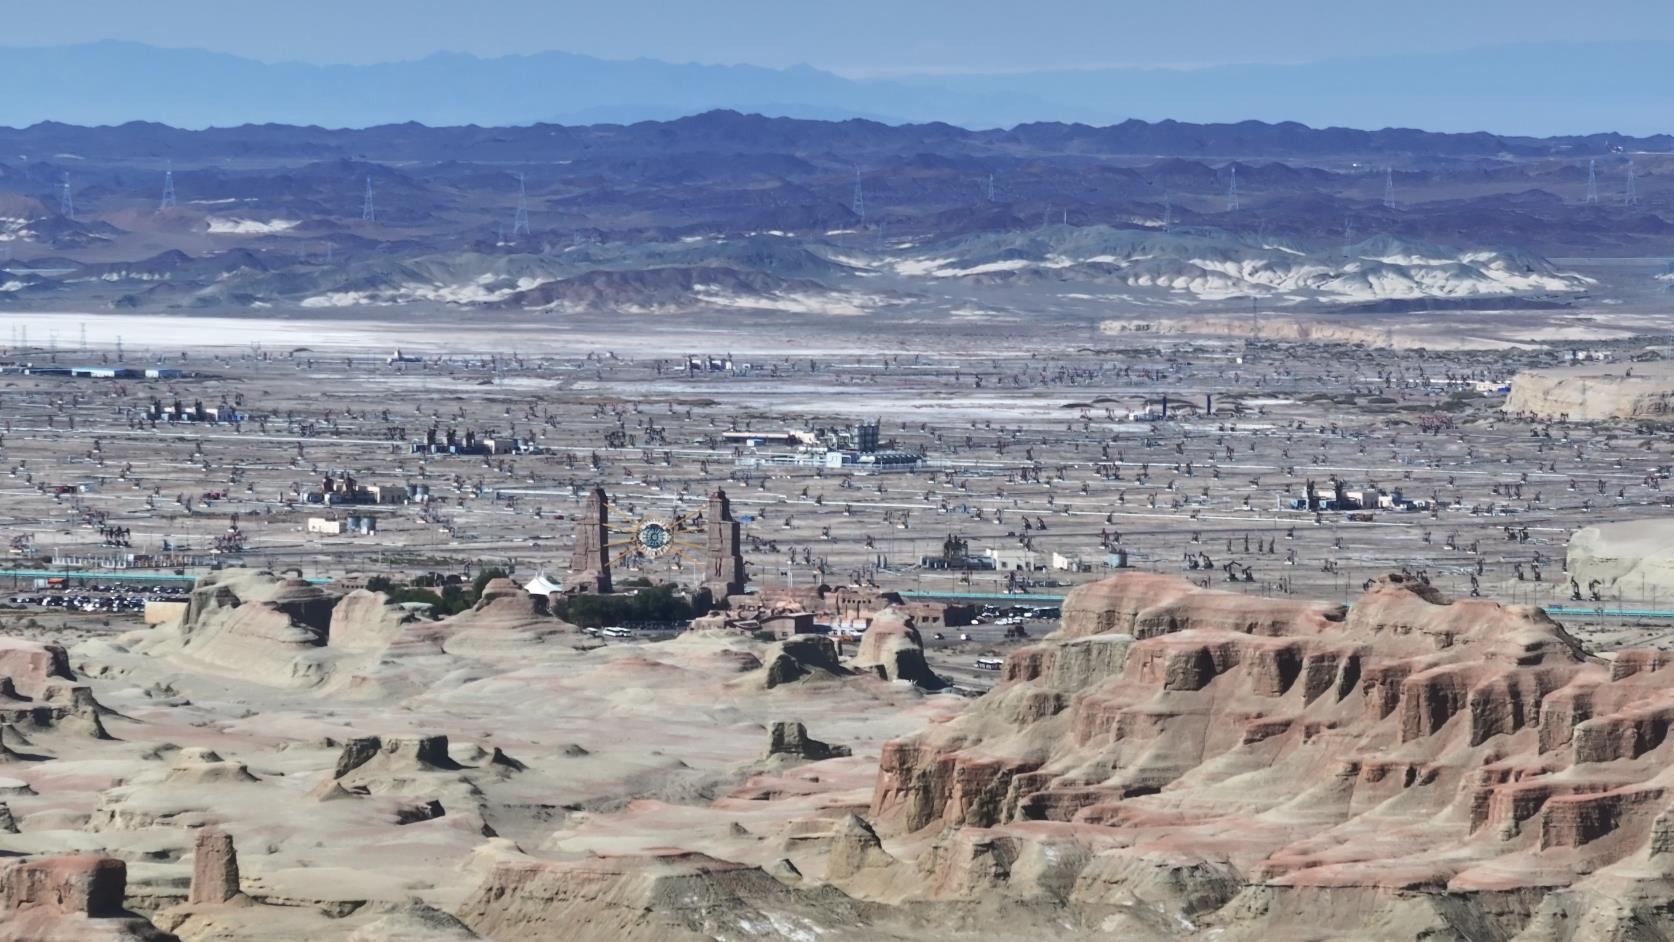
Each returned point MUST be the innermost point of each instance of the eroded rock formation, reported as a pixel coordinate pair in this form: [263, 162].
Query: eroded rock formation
[1594, 392]
[76, 898]
[214, 868]
[893, 649]
[790, 738]
[1629, 557]
[1239, 757]
[804, 657]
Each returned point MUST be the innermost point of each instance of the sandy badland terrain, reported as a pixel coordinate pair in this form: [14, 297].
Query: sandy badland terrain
[1171, 763]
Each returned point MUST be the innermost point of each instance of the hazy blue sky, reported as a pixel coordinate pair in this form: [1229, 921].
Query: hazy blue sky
[850, 36]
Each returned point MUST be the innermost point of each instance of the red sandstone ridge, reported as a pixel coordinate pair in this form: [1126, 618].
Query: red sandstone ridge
[1230, 758]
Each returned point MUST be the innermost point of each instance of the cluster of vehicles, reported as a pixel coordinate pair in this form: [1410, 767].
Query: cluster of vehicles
[649, 630]
[1016, 614]
[1012, 618]
[94, 599]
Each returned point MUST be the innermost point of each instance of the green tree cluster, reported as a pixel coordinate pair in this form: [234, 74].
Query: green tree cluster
[657, 604]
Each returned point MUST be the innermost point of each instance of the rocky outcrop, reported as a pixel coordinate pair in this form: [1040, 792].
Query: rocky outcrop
[1145, 605]
[855, 849]
[274, 631]
[39, 691]
[505, 601]
[790, 738]
[365, 621]
[373, 754]
[254, 624]
[33, 667]
[69, 899]
[665, 897]
[1630, 557]
[893, 649]
[1595, 392]
[801, 658]
[214, 868]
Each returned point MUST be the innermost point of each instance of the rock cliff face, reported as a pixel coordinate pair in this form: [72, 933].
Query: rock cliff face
[1643, 391]
[1636, 556]
[1234, 759]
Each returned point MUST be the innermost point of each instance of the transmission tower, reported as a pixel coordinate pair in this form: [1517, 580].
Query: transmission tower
[520, 219]
[1631, 196]
[1348, 238]
[859, 205]
[1232, 192]
[168, 188]
[368, 213]
[66, 202]
[1168, 211]
[991, 188]
[1592, 182]
[1389, 188]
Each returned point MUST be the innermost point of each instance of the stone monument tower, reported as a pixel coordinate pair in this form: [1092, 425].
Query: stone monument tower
[724, 569]
[590, 563]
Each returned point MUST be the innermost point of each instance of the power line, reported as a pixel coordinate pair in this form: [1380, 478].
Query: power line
[520, 219]
[368, 212]
[168, 188]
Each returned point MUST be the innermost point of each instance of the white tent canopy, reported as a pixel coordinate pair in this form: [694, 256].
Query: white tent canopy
[542, 585]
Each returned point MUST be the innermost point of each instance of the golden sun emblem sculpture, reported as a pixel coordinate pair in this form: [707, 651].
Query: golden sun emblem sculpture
[647, 536]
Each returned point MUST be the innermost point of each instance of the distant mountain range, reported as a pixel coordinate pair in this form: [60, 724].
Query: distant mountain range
[1527, 89]
[711, 143]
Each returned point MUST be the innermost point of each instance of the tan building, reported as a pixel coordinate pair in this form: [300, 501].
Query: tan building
[160, 612]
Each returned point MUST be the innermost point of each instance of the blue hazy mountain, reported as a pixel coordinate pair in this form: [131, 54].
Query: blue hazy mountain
[1533, 88]
[1554, 88]
[115, 82]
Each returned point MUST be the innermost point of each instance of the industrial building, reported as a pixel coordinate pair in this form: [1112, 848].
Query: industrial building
[350, 525]
[451, 442]
[1334, 495]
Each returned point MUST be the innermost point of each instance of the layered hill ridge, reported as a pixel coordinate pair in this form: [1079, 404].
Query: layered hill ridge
[1238, 755]
[819, 273]
[1216, 265]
